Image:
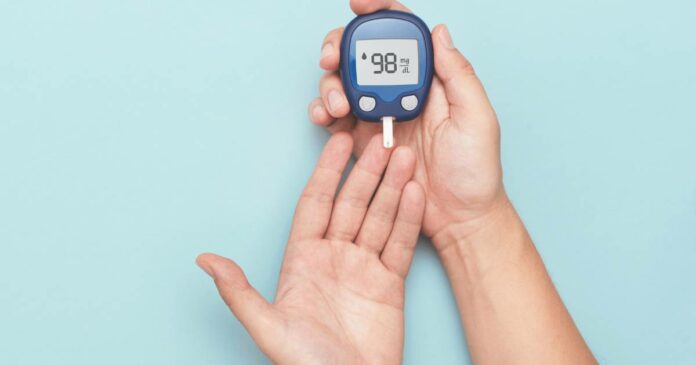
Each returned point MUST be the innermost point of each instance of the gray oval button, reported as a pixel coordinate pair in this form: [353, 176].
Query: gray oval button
[367, 103]
[409, 102]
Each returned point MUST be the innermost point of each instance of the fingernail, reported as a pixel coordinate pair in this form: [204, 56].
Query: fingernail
[317, 112]
[208, 270]
[335, 100]
[326, 50]
[445, 38]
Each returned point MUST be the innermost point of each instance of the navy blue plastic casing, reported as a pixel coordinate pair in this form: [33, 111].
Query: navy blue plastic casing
[386, 24]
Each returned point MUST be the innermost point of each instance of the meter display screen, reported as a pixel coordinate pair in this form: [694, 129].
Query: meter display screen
[383, 62]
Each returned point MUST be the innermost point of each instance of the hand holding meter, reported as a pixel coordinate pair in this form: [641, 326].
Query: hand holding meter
[386, 67]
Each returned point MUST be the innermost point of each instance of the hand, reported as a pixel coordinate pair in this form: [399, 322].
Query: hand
[340, 296]
[496, 274]
[456, 139]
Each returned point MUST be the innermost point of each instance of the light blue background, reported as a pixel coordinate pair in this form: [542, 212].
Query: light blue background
[136, 134]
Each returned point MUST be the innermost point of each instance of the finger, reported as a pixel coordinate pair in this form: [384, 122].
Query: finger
[320, 116]
[363, 134]
[331, 90]
[465, 93]
[345, 124]
[437, 107]
[318, 113]
[331, 50]
[251, 309]
[398, 252]
[352, 201]
[313, 211]
[380, 216]
[370, 6]
[331, 47]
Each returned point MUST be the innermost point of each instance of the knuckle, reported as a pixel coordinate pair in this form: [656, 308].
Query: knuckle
[353, 201]
[341, 234]
[465, 67]
[318, 196]
[382, 213]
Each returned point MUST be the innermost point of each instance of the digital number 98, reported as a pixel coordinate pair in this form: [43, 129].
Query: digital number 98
[386, 62]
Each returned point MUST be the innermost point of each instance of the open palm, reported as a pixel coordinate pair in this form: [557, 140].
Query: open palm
[340, 296]
[456, 139]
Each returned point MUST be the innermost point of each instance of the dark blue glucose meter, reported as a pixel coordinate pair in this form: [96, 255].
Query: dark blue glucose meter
[387, 67]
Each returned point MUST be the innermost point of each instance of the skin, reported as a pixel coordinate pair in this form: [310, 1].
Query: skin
[340, 297]
[509, 308]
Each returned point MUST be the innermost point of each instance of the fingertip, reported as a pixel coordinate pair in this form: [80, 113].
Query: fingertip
[464, 91]
[376, 145]
[370, 6]
[332, 95]
[318, 113]
[330, 57]
[403, 162]
[449, 61]
[330, 50]
[338, 104]
[416, 190]
[203, 257]
[443, 37]
[375, 158]
[341, 142]
[329, 62]
[203, 261]
[375, 140]
[336, 152]
[222, 270]
[250, 307]
[210, 258]
[414, 199]
[405, 155]
[367, 6]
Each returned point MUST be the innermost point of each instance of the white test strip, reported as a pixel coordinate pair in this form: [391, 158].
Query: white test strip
[388, 132]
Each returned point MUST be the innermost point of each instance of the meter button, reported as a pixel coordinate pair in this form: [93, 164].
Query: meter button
[367, 104]
[409, 102]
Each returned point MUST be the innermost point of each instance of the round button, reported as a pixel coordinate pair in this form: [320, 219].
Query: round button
[367, 103]
[409, 102]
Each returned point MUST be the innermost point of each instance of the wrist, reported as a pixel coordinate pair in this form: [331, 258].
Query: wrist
[483, 224]
[474, 247]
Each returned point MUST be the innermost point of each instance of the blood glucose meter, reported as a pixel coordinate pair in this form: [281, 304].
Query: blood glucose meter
[387, 67]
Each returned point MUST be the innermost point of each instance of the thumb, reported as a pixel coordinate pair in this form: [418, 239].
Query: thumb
[251, 308]
[370, 6]
[465, 93]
